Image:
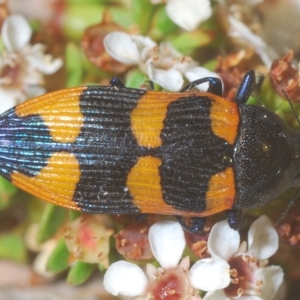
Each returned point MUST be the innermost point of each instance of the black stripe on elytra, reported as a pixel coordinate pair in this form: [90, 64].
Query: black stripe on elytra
[106, 149]
[191, 153]
[25, 144]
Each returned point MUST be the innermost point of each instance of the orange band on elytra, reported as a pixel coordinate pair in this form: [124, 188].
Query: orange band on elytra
[59, 110]
[221, 192]
[55, 183]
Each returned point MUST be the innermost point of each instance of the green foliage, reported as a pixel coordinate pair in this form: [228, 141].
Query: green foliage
[73, 65]
[135, 79]
[143, 11]
[80, 272]
[189, 41]
[7, 190]
[12, 247]
[79, 16]
[53, 216]
[58, 260]
[163, 24]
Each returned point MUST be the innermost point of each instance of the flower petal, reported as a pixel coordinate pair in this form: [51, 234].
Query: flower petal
[223, 241]
[262, 238]
[167, 242]
[143, 42]
[122, 47]
[168, 79]
[272, 278]
[188, 14]
[239, 30]
[43, 62]
[210, 274]
[216, 295]
[250, 297]
[15, 32]
[125, 278]
[10, 98]
[195, 73]
[40, 262]
[34, 91]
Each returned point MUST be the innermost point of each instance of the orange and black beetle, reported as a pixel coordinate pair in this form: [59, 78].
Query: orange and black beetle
[118, 150]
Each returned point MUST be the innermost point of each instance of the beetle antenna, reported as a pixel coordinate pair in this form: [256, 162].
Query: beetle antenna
[290, 204]
[291, 105]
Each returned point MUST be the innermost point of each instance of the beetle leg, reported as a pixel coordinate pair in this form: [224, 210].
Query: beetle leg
[117, 83]
[214, 85]
[246, 88]
[151, 84]
[140, 217]
[196, 224]
[234, 218]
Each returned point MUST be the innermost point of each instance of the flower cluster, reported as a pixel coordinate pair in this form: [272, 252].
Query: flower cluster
[188, 14]
[233, 270]
[171, 43]
[162, 63]
[22, 65]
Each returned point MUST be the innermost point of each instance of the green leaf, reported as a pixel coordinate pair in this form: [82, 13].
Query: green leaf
[87, 1]
[12, 247]
[53, 216]
[135, 79]
[278, 104]
[7, 190]
[210, 64]
[73, 65]
[121, 16]
[74, 214]
[101, 268]
[58, 260]
[163, 24]
[80, 272]
[79, 16]
[2, 46]
[189, 41]
[143, 11]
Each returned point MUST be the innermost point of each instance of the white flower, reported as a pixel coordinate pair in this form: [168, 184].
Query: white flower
[167, 243]
[188, 14]
[240, 273]
[21, 65]
[245, 2]
[44, 251]
[162, 63]
[43, 11]
[280, 17]
[239, 30]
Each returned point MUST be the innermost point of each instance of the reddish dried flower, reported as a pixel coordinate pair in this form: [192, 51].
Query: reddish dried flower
[198, 242]
[92, 44]
[132, 242]
[231, 70]
[3, 12]
[289, 229]
[284, 76]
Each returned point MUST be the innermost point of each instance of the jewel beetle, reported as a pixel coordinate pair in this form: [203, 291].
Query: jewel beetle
[118, 150]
